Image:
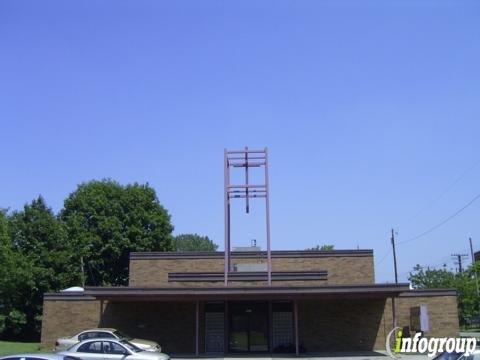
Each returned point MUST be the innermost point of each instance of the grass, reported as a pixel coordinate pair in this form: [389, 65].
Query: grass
[13, 347]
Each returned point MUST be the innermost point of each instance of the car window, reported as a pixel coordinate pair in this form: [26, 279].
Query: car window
[114, 348]
[91, 347]
[34, 358]
[105, 335]
[472, 357]
[121, 335]
[130, 346]
[448, 356]
[87, 335]
[12, 358]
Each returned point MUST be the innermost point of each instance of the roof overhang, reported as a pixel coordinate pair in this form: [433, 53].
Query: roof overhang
[239, 293]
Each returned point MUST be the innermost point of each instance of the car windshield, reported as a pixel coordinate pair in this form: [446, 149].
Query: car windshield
[448, 356]
[121, 335]
[130, 346]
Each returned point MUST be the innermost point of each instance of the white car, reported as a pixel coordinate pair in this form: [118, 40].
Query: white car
[37, 356]
[110, 349]
[105, 333]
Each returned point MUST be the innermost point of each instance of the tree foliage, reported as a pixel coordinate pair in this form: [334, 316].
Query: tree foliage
[35, 259]
[322, 248]
[100, 224]
[464, 283]
[193, 242]
[106, 221]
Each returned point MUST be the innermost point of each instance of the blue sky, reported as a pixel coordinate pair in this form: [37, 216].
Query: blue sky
[370, 110]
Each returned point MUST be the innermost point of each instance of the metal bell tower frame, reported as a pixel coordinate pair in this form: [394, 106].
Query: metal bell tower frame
[246, 159]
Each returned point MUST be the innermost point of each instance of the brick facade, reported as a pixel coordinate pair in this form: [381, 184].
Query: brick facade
[68, 317]
[326, 322]
[442, 313]
[324, 325]
[351, 268]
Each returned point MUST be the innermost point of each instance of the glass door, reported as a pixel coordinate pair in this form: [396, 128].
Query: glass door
[248, 327]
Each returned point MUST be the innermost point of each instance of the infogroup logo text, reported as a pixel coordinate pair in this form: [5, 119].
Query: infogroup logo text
[429, 346]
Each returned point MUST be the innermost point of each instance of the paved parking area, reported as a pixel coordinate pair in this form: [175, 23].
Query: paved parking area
[324, 356]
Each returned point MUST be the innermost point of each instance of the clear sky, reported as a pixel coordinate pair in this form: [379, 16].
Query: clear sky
[370, 110]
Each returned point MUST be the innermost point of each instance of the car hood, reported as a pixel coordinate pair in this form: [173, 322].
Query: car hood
[143, 344]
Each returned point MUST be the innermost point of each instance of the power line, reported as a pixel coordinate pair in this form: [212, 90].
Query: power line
[442, 194]
[440, 223]
[384, 257]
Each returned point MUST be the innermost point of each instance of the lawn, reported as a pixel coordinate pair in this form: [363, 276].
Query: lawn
[12, 347]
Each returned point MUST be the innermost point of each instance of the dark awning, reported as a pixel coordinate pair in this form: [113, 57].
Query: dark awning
[241, 293]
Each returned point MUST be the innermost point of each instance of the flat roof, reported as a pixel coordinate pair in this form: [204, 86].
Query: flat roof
[250, 254]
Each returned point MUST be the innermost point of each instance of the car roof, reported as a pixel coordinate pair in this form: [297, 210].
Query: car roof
[100, 339]
[102, 329]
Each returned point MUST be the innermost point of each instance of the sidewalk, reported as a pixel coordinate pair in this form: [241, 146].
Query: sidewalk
[377, 355]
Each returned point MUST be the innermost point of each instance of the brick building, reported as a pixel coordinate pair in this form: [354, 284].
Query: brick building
[318, 301]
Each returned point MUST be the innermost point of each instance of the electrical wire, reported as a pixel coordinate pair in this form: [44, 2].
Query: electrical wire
[442, 194]
[444, 221]
[383, 257]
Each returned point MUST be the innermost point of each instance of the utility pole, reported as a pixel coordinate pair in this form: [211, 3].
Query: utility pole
[394, 256]
[394, 308]
[474, 267]
[459, 261]
[82, 269]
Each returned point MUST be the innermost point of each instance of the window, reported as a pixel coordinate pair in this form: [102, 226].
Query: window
[94, 347]
[105, 335]
[475, 356]
[130, 346]
[13, 358]
[114, 348]
[282, 327]
[121, 335]
[448, 356]
[87, 335]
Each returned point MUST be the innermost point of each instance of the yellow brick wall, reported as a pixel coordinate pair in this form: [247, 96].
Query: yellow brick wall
[341, 270]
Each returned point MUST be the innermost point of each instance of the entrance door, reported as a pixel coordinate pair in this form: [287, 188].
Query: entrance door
[248, 327]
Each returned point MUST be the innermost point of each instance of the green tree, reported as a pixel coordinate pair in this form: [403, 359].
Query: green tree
[40, 260]
[426, 278]
[193, 242]
[321, 248]
[106, 221]
[464, 283]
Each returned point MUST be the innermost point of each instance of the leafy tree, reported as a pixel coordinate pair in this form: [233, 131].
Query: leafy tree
[193, 242]
[39, 261]
[106, 221]
[426, 278]
[464, 283]
[322, 248]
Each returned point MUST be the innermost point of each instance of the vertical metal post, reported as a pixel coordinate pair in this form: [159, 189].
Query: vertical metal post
[197, 326]
[295, 319]
[237, 159]
[267, 210]
[394, 313]
[226, 215]
[247, 200]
